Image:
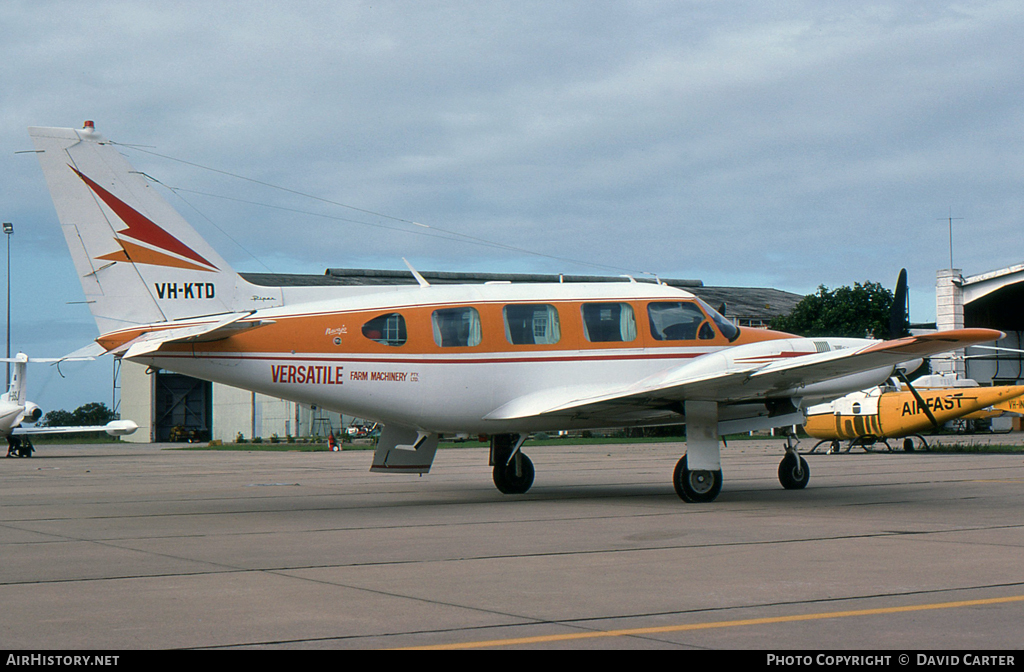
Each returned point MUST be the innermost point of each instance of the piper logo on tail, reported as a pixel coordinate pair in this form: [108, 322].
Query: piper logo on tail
[170, 251]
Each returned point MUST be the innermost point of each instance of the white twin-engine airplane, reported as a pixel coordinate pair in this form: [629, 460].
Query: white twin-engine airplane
[497, 359]
[15, 410]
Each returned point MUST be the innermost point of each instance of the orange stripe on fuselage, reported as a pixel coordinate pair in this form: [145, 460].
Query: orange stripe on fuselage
[316, 333]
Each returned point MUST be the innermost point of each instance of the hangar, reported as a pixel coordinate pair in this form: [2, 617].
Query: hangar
[169, 406]
[994, 299]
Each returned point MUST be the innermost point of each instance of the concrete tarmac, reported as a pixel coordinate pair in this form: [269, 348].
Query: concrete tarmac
[120, 547]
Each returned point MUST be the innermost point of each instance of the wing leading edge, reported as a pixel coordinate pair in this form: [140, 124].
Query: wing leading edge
[744, 374]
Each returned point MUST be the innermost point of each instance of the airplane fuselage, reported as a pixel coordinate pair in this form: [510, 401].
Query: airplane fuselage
[10, 414]
[444, 358]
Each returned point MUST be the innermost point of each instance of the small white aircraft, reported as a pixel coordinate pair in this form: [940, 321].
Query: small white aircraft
[497, 359]
[15, 410]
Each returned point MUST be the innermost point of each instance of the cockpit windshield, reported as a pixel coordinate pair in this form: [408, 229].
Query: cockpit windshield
[728, 329]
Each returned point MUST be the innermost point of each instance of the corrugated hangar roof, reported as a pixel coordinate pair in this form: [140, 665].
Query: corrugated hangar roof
[749, 305]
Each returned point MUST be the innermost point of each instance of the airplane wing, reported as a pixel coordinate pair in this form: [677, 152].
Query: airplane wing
[114, 428]
[735, 378]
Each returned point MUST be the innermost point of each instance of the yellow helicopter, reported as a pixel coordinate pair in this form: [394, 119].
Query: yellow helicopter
[901, 410]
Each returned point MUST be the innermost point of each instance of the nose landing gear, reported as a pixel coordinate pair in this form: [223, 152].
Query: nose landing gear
[793, 470]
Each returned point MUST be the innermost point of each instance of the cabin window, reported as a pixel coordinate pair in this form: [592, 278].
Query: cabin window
[456, 327]
[387, 329]
[606, 322]
[678, 321]
[532, 324]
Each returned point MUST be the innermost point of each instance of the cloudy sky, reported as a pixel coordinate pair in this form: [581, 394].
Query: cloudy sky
[781, 144]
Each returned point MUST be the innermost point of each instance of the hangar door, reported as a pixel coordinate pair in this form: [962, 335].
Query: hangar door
[182, 408]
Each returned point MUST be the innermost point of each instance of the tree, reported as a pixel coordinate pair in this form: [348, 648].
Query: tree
[862, 311]
[58, 418]
[93, 413]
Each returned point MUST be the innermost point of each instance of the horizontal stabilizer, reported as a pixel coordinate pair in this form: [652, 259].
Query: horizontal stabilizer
[151, 341]
[21, 357]
[91, 351]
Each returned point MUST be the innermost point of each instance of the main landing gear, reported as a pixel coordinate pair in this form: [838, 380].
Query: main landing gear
[18, 446]
[696, 485]
[701, 486]
[513, 471]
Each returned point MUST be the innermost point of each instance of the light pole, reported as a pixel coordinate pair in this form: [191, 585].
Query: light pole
[8, 230]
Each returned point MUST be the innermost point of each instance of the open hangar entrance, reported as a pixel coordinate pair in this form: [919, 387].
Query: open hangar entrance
[994, 300]
[1003, 310]
[182, 407]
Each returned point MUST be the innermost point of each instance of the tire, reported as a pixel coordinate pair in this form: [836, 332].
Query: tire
[506, 479]
[794, 475]
[915, 442]
[696, 486]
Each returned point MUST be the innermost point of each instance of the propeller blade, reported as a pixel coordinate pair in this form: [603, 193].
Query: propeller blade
[917, 396]
[899, 320]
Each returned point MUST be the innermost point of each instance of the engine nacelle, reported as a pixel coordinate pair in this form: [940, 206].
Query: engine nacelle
[32, 412]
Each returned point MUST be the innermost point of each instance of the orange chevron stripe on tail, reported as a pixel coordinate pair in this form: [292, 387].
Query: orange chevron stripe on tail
[142, 229]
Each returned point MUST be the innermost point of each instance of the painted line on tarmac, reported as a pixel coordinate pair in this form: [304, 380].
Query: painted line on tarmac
[543, 639]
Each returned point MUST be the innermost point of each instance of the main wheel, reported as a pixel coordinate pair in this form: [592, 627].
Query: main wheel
[514, 477]
[914, 442]
[696, 485]
[794, 472]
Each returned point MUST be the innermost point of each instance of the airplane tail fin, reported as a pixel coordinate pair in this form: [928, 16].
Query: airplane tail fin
[16, 388]
[138, 260]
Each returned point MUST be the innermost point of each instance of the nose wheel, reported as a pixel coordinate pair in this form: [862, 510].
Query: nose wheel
[794, 472]
[513, 471]
[515, 477]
